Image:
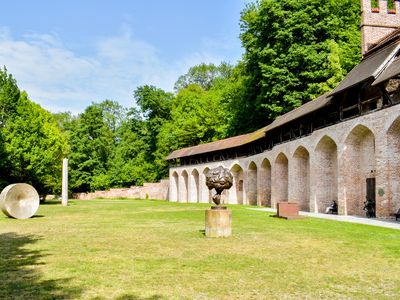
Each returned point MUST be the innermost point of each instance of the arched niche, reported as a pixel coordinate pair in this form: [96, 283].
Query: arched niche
[194, 186]
[301, 176]
[236, 192]
[264, 183]
[280, 179]
[183, 187]
[358, 164]
[251, 191]
[326, 174]
[174, 188]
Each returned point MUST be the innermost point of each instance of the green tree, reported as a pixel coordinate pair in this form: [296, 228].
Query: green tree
[296, 50]
[9, 96]
[203, 75]
[91, 141]
[196, 117]
[155, 107]
[130, 163]
[34, 147]
[113, 114]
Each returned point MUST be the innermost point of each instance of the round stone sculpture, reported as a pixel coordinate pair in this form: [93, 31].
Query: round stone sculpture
[219, 179]
[19, 201]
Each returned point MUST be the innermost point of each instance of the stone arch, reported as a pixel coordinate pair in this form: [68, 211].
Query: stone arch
[251, 190]
[300, 184]
[206, 194]
[326, 174]
[280, 179]
[194, 186]
[358, 164]
[236, 192]
[174, 188]
[264, 183]
[393, 143]
[183, 186]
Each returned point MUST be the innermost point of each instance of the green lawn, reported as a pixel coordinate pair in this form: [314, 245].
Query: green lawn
[136, 249]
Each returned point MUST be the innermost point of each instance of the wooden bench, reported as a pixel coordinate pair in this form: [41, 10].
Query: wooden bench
[397, 214]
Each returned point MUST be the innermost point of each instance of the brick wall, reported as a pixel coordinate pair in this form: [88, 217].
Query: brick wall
[157, 190]
[330, 164]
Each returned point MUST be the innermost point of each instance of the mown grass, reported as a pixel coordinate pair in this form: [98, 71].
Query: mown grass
[136, 249]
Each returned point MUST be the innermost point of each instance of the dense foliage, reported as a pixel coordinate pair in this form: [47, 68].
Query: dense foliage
[295, 50]
[32, 144]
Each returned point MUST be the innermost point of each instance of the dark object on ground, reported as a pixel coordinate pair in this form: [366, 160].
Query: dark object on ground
[369, 207]
[332, 209]
[219, 179]
[397, 215]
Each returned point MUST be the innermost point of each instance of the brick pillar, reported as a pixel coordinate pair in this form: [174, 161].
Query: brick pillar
[342, 174]
[292, 181]
[383, 172]
[313, 182]
[279, 180]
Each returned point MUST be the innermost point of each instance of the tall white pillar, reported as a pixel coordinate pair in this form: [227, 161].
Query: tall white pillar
[64, 190]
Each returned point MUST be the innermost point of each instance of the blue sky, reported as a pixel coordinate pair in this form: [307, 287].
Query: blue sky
[69, 53]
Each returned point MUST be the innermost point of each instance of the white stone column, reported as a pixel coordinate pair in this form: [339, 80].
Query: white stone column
[64, 189]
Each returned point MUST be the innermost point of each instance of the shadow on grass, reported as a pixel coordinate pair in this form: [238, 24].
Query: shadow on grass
[133, 297]
[19, 277]
[50, 202]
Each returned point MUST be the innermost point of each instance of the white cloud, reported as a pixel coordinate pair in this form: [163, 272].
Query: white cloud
[60, 79]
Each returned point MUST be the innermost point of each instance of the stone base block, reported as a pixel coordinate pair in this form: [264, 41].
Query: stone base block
[288, 210]
[218, 222]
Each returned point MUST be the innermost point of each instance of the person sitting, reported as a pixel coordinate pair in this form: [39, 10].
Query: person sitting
[369, 207]
[332, 209]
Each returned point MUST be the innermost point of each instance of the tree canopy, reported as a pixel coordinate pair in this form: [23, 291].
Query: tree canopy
[32, 144]
[295, 50]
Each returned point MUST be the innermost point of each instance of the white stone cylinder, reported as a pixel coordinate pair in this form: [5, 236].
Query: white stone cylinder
[19, 201]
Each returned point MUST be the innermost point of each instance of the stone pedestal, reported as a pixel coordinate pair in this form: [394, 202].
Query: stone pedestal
[218, 222]
[288, 210]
